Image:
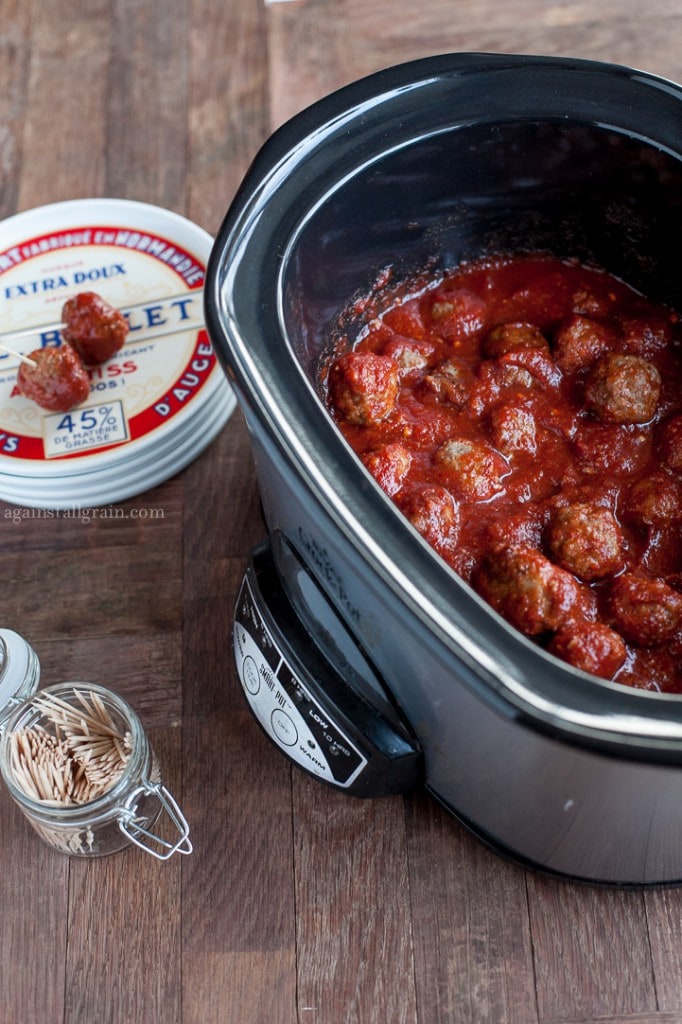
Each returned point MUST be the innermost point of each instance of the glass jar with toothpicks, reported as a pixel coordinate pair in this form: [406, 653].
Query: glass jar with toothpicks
[77, 761]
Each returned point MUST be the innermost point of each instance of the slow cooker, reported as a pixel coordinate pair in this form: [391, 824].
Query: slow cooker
[363, 656]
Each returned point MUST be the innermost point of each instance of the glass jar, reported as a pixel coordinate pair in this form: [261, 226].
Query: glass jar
[77, 761]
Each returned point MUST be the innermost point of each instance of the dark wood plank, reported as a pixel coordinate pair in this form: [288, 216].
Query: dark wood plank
[35, 922]
[15, 28]
[591, 951]
[621, 32]
[63, 140]
[239, 915]
[311, 50]
[221, 507]
[147, 98]
[239, 939]
[319, 46]
[470, 922]
[121, 590]
[354, 938]
[145, 669]
[158, 512]
[664, 917]
[229, 102]
[239, 918]
[630, 1018]
[125, 917]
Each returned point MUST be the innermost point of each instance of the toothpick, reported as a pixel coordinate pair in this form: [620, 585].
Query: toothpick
[24, 359]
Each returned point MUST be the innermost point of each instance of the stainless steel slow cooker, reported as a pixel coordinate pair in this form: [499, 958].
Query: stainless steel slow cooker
[362, 655]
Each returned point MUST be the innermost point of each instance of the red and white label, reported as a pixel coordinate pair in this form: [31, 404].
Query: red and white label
[165, 363]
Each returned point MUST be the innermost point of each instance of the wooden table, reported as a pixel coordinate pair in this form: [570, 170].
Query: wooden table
[298, 905]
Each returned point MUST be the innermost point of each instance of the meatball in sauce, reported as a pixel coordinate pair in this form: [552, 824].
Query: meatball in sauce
[94, 328]
[55, 378]
[525, 415]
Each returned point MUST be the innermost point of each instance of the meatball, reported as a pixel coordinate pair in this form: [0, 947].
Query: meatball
[655, 500]
[58, 381]
[645, 610]
[513, 428]
[535, 361]
[670, 444]
[434, 513]
[363, 387]
[623, 389]
[587, 540]
[94, 328]
[406, 319]
[516, 529]
[496, 378]
[450, 383]
[529, 591]
[580, 341]
[457, 313]
[389, 465]
[509, 337]
[471, 468]
[590, 646]
[410, 355]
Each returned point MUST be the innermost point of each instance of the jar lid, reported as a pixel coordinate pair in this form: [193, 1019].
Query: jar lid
[158, 402]
[19, 671]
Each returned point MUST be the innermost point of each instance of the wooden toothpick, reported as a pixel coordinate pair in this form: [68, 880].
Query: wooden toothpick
[24, 359]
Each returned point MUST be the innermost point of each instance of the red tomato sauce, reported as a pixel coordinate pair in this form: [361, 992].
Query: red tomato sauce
[525, 414]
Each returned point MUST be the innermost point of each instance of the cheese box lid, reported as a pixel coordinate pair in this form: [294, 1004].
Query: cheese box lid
[164, 391]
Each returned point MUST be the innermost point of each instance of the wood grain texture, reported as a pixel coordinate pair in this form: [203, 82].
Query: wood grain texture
[63, 144]
[228, 89]
[582, 936]
[14, 68]
[310, 54]
[354, 935]
[664, 919]
[126, 910]
[146, 97]
[298, 905]
[474, 907]
[618, 32]
[35, 922]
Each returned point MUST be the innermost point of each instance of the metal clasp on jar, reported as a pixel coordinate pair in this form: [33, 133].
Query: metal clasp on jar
[130, 822]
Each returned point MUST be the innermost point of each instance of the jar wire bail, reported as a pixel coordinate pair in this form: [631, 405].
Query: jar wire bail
[144, 838]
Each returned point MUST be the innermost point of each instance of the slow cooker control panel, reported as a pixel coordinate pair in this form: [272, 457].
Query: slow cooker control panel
[302, 703]
[284, 706]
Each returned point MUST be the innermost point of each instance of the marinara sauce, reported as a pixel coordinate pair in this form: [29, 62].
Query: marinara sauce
[525, 414]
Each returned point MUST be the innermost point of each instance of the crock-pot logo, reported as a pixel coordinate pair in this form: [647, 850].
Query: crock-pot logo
[327, 573]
